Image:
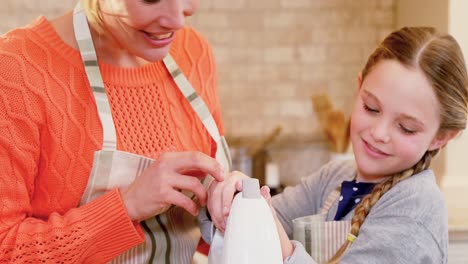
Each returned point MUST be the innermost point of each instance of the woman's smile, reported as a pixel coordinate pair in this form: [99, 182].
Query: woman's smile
[159, 40]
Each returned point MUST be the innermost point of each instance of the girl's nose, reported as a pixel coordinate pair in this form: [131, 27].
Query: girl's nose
[380, 132]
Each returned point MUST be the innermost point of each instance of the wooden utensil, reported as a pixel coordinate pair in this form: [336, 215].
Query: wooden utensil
[334, 123]
[322, 105]
[260, 145]
[337, 131]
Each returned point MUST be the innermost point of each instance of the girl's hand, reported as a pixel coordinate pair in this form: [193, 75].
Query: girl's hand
[287, 247]
[220, 196]
[161, 184]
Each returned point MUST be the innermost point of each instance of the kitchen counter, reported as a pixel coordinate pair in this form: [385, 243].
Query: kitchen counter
[458, 224]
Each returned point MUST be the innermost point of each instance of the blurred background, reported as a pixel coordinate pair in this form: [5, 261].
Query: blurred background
[282, 63]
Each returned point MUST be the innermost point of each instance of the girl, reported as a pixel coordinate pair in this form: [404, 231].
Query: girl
[385, 206]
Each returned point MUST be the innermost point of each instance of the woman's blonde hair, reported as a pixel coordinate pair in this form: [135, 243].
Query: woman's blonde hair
[440, 59]
[93, 14]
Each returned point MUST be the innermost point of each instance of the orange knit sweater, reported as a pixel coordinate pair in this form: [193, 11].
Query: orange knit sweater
[49, 130]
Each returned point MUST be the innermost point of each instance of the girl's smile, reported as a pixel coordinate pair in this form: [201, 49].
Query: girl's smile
[373, 151]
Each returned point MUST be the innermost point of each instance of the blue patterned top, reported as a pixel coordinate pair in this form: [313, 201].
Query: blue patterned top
[352, 193]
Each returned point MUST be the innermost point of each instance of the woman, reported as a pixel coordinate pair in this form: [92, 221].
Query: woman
[89, 101]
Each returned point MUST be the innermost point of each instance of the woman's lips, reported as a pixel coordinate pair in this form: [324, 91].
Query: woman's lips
[159, 40]
[373, 151]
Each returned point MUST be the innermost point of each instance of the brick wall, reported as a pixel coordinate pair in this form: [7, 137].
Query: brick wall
[272, 55]
[14, 13]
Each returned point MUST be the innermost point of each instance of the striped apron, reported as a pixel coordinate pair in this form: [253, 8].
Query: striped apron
[172, 235]
[321, 238]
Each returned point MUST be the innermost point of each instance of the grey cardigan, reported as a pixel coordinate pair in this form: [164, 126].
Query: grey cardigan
[409, 224]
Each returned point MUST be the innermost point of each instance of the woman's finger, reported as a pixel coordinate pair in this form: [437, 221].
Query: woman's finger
[181, 200]
[193, 161]
[192, 184]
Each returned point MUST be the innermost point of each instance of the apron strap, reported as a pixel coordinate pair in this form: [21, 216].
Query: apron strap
[89, 58]
[199, 106]
[330, 200]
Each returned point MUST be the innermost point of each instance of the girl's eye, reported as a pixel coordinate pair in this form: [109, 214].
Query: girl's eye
[406, 130]
[151, 1]
[369, 109]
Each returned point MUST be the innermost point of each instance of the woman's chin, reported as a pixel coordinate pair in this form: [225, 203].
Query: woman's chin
[156, 54]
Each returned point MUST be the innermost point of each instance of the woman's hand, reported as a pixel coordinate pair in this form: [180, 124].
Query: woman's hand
[160, 185]
[287, 247]
[220, 196]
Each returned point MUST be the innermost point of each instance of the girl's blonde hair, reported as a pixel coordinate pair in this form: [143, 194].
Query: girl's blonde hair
[440, 59]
